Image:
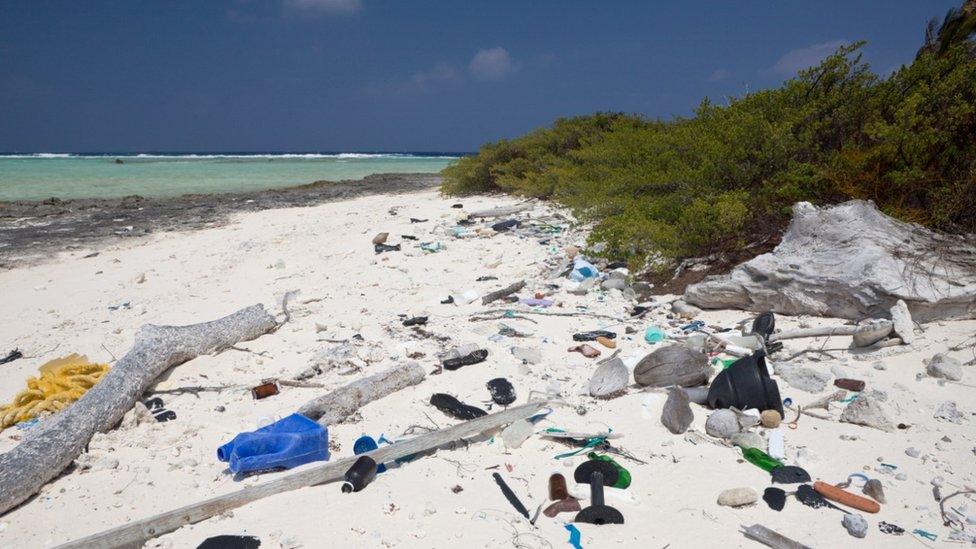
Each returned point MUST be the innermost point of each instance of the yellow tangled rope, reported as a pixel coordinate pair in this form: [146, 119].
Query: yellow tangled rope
[62, 381]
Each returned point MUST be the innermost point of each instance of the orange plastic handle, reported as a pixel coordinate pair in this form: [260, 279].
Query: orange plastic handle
[844, 497]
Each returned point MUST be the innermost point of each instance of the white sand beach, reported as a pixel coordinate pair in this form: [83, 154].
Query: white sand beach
[62, 306]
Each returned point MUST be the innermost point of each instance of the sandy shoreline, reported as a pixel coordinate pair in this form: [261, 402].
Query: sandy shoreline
[30, 231]
[62, 305]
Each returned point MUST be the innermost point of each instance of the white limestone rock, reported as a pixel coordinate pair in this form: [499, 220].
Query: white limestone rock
[851, 261]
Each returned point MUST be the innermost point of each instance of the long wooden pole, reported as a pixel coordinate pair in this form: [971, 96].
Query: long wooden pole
[138, 532]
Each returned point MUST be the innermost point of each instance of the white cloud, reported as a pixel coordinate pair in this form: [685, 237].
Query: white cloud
[491, 64]
[718, 75]
[325, 6]
[439, 74]
[796, 60]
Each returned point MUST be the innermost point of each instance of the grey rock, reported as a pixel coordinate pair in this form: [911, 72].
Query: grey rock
[644, 291]
[722, 424]
[856, 525]
[850, 261]
[904, 327]
[913, 452]
[673, 365]
[749, 439]
[947, 411]
[610, 377]
[677, 414]
[867, 412]
[614, 284]
[945, 367]
[872, 332]
[737, 497]
[802, 378]
[874, 489]
[681, 308]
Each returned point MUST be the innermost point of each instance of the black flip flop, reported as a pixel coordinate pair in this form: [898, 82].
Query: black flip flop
[156, 408]
[764, 325]
[790, 474]
[415, 321]
[591, 336]
[807, 496]
[474, 357]
[455, 408]
[775, 498]
[502, 391]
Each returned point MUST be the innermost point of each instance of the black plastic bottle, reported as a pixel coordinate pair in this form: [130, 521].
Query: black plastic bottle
[359, 475]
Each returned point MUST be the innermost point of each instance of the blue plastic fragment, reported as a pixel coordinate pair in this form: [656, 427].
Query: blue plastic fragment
[693, 327]
[286, 443]
[583, 269]
[365, 444]
[857, 475]
[927, 535]
[574, 536]
[540, 416]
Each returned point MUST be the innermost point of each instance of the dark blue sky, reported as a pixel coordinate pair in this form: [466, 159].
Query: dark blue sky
[397, 75]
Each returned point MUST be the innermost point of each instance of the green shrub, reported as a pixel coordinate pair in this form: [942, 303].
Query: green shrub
[729, 175]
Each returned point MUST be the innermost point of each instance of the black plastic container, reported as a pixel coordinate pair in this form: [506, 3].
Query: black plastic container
[746, 384]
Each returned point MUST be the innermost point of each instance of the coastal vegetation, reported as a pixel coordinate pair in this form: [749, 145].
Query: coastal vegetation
[727, 176]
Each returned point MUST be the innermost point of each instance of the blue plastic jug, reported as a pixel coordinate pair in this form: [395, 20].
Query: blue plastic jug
[286, 443]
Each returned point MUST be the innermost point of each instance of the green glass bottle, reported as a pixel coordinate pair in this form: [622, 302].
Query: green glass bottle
[623, 475]
[761, 459]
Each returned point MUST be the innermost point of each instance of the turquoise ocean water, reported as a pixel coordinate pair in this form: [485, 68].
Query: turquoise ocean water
[41, 176]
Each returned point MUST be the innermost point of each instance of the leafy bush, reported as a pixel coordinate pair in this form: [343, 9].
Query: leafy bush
[728, 175]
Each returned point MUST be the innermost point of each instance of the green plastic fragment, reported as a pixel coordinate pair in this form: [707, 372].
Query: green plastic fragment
[724, 362]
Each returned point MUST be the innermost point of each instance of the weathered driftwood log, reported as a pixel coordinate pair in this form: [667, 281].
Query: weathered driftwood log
[503, 211]
[336, 406]
[504, 292]
[142, 530]
[48, 448]
[827, 331]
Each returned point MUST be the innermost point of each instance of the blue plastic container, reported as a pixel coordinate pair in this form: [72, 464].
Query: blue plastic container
[286, 443]
[365, 444]
[653, 334]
